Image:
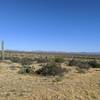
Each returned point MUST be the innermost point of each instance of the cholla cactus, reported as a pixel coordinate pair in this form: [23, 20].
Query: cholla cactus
[2, 52]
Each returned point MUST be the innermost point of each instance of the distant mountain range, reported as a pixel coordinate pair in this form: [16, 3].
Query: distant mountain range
[56, 52]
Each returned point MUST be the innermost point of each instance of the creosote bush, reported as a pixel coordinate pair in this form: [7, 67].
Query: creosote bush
[59, 59]
[51, 69]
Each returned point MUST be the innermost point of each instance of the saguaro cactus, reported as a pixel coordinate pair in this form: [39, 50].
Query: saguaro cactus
[2, 52]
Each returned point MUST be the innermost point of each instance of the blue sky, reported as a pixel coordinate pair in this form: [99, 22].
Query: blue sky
[50, 25]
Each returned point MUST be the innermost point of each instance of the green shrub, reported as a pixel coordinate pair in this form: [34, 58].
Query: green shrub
[74, 62]
[91, 64]
[26, 61]
[25, 70]
[15, 59]
[59, 60]
[98, 66]
[41, 60]
[83, 67]
[94, 64]
[51, 69]
[81, 70]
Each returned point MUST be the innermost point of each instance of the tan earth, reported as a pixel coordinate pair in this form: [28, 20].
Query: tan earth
[73, 86]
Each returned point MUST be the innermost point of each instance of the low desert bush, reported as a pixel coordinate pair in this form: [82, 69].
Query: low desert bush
[26, 61]
[15, 59]
[41, 60]
[51, 69]
[91, 64]
[59, 59]
[25, 70]
[94, 64]
[98, 65]
[81, 70]
[23, 61]
[83, 67]
[74, 62]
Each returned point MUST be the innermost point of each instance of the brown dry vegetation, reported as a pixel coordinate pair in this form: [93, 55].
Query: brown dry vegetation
[71, 86]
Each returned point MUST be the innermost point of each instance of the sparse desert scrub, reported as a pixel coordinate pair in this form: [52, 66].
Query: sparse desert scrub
[15, 59]
[41, 60]
[73, 62]
[91, 63]
[23, 61]
[14, 86]
[26, 61]
[59, 59]
[51, 69]
[25, 69]
[83, 67]
[94, 64]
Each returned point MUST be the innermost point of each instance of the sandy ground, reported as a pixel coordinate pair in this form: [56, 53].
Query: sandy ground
[72, 86]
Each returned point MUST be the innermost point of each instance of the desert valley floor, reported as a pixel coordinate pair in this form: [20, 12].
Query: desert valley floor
[73, 86]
